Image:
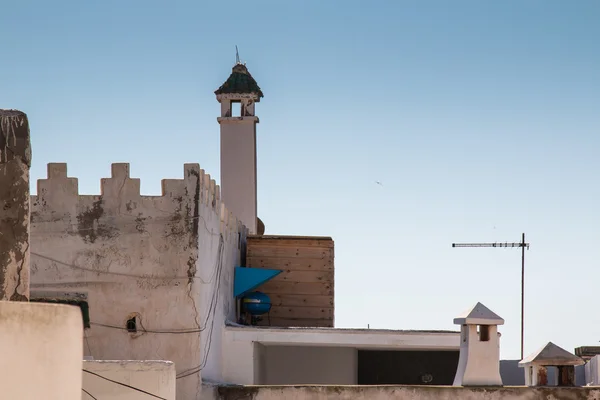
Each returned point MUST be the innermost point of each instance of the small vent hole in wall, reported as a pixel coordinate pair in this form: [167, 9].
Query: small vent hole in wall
[131, 325]
[236, 109]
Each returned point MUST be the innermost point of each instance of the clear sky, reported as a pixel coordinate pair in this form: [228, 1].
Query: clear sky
[479, 118]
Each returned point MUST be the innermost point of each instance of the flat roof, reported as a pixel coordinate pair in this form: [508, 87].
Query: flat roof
[343, 337]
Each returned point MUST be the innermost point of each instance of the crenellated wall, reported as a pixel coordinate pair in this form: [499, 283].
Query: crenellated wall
[155, 258]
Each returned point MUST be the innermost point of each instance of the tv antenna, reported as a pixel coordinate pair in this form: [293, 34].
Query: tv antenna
[237, 55]
[522, 244]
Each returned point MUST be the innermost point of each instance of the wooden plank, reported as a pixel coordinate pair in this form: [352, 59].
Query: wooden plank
[289, 252]
[293, 300]
[306, 288]
[301, 312]
[295, 263]
[299, 323]
[293, 241]
[304, 276]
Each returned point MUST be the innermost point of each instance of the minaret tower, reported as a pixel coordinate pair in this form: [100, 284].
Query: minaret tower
[238, 144]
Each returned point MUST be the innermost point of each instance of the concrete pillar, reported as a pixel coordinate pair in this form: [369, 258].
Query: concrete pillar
[15, 161]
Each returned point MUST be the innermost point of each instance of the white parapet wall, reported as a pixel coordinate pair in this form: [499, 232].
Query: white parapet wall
[245, 354]
[41, 347]
[592, 372]
[128, 380]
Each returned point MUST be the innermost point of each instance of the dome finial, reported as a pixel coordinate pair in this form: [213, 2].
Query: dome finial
[237, 55]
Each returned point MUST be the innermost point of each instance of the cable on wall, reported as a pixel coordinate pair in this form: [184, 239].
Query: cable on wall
[212, 309]
[89, 394]
[144, 330]
[124, 385]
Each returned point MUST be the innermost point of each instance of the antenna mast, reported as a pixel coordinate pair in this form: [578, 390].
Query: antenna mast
[522, 245]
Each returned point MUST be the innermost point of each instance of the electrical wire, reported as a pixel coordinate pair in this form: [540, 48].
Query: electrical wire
[112, 272]
[174, 331]
[89, 394]
[147, 221]
[125, 385]
[209, 340]
[212, 308]
[174, 277]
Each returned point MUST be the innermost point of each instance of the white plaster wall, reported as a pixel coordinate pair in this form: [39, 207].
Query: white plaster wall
[244, 347]
[219, 273]
[41, 349]
[155, 377]
[334, 337]
[479, 362]
[592, 372]
[241, 362]
[301, 365]
[149, 256]
[238, 168]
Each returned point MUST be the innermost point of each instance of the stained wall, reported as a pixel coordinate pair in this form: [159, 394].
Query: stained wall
[153, 258]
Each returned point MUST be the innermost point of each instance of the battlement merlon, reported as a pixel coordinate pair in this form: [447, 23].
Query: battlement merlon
[59, 193]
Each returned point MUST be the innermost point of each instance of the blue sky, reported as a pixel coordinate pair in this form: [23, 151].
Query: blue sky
[480, 119]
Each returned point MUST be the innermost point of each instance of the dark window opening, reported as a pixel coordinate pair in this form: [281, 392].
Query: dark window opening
[236, 109]
[484, 333]
[82, 304]
[131, 325]
[382, 367]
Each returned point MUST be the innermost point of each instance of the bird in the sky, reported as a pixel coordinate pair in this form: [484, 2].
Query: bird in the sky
[379, 183]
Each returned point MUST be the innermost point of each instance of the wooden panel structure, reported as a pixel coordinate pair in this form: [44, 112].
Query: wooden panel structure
[302, 295]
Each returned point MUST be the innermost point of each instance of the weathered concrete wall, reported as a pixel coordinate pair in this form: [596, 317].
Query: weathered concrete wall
[150, 257]
[15, 160]
[302, 365]
[155, 377]
[41, 348]
[398, 392]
